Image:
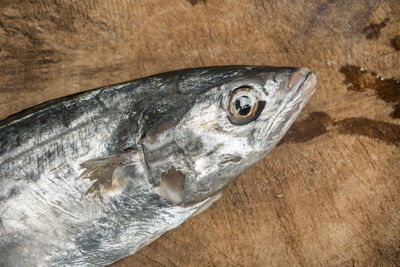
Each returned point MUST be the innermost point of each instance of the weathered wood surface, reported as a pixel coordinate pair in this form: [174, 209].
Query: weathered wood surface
[329, 194]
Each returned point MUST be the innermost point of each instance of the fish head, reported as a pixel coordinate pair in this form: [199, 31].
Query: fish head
[223, 127]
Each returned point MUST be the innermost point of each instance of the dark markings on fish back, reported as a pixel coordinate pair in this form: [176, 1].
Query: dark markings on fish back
[33, 140]
[232, 159]
[8, 145]
[214, 73]
[386, 89]
[395, 42]
[320, 123]
[373, 30]
[41, 106]
[11, 193]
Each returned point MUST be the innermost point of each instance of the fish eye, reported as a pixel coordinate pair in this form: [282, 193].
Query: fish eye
[244, 106]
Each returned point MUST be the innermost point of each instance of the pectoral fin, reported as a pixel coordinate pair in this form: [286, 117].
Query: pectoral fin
[106, 172]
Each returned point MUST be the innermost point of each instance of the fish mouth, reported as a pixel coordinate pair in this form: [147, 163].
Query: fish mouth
[304, 82]
[301, 87]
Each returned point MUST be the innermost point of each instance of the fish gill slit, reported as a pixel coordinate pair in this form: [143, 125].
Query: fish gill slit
[172, 185]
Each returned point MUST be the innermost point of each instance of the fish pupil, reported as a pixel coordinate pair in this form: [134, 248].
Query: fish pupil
[243, 105]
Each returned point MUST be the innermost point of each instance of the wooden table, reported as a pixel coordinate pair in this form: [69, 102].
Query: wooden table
[329, 194]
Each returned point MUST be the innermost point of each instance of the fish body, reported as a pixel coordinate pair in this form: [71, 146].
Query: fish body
[91, 178]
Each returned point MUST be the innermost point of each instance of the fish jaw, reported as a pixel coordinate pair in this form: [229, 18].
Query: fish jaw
[302, 86]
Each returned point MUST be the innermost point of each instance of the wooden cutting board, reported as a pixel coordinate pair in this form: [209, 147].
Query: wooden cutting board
[329, 194]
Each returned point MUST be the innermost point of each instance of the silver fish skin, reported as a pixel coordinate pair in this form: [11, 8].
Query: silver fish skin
[88, 179]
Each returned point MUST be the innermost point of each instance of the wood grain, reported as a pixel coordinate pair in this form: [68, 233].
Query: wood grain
[329, 194]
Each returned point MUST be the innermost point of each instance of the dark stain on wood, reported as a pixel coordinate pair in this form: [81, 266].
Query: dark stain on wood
[384, 131]
[23, 50]
[373, 30]
[319, 123]
[318, 15]
[40, 36]
[195, 2]
[391, 253]
[395, 42]
[313, 126]
[386, 89]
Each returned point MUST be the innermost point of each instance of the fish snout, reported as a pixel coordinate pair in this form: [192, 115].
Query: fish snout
[302, 81]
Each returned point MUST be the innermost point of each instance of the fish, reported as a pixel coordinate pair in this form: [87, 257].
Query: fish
[90, 178]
